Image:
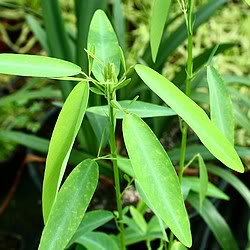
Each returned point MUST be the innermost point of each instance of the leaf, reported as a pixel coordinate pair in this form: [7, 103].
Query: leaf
[38, 31]
[203, 180]
[248, 2]
[84, 12]
[103, 38]
[232, 180]
[221, 107]
[138, 218]
[142, 109]
[70, 206]
[212, 190]
[177, 246]
[215, 222]
[160, 12]
[61, 143]
[91, 221]
[242, 119]
[36, 66]
[97, 241]
[193, 115]
[150, 162]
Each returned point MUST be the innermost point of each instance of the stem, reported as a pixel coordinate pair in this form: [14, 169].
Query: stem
[116, 173]
[188, 85]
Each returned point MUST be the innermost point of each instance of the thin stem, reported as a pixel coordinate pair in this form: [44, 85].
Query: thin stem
[171, 240]
[188, 85]
[116, 173]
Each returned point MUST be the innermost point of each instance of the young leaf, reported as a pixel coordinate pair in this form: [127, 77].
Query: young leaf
[156, 175]
[90, 222]
[70, 206]
[142, 109]
[61, 143]
[36, 66]
[159, 16]
[177, 246]
[97, 241]
[138, 218]
[103, 38]
[193, 115]
[215, 222]
[203, 180]
[221, 108]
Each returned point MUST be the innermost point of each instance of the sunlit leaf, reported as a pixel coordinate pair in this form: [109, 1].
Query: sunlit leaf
[221, 108]
[103, 38]
[61, 143]
[160, 11]
[37, 66]
[177, 246]
[138, 218]
[150, 162]
[70, 206]
[194, 116]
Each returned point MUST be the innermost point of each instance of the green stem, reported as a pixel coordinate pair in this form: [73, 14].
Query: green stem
[188, 85]
[116, 174]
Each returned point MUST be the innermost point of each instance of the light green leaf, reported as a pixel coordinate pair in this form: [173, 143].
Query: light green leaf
[36, 66]
[90, 222]
[221, 108]
[193, 115]
[177, 246]
[241, 118]
[70, 206]
[203, 180]
[159, 16]
[215, 222]
[138, 218]
[104, 41]
[97, 241]
[212, 190]
[142, 109]
[248, 2]
[61, 143]
[150, 162]
[232, 180]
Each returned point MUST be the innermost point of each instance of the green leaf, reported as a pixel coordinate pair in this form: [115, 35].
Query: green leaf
[248, 2]
[203, 180]
[215, 222]
[232, 180]
[38, 31]
[159, 16]
[70, 206]
[103, 38]
[142, 109]
[36, 66]
[91, 221]
[138, 218]
[177, 246]
[241, 118]
[212, 190]
[150, 162]
[97, 241]
[221, 108]
[61, 143]
[193, 115]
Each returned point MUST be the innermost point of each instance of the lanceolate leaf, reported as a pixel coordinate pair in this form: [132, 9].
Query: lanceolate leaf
[70, 206]
[97, 241]
[104, 41]
[90, 222]
[142, 109]
[156, 175]
[194, 116]
[203, 180]
[159, 15]
[63, 137]
[215, 222]
[221, 108]
[37, 66]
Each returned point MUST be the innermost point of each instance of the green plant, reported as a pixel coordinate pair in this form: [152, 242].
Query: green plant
[149, 166]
